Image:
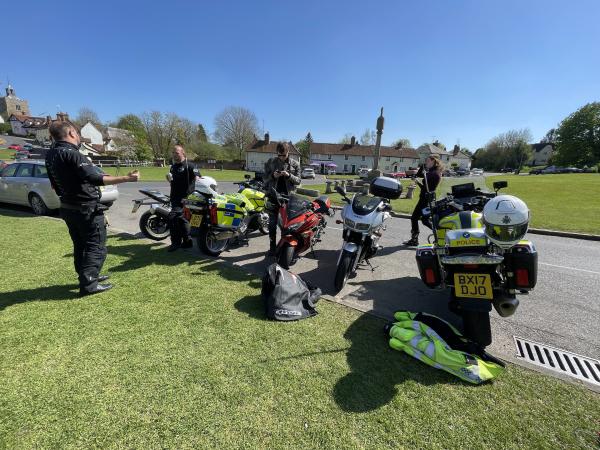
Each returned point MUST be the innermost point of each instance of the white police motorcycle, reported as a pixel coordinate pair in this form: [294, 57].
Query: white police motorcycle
[363, 218]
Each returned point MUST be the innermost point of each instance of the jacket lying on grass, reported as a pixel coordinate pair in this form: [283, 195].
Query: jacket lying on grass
[287, 296]
[443, 348]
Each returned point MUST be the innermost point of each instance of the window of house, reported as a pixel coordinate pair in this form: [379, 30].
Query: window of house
[329, 157]
[363, 158]
[346, 157]
[387, 159]
[18, 107]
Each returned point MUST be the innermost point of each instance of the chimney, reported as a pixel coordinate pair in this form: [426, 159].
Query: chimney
[267, 139]
[399, 145]
[352, 141]
[456, 149]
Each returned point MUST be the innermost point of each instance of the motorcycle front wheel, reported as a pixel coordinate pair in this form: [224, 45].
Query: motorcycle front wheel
[263, 223]
[286, 255]
[209, 244]
[343, 271]
[154, 227]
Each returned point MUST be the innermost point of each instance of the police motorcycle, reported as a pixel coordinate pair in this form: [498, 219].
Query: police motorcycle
[220, 219]
[363, 218]
[252, 189]
[478, 250]
[154, 223]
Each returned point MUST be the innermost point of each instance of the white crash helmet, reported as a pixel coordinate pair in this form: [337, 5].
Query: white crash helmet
[506, 219]
[206, 185]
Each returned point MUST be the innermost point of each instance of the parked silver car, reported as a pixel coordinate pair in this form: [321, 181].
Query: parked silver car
[26, 183]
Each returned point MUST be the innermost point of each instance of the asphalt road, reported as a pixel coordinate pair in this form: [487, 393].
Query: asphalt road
[563, 310]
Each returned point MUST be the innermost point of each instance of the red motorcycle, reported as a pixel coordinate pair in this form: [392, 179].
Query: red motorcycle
[302, 223]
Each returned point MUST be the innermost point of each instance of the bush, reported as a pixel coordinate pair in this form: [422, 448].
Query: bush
[5, 128]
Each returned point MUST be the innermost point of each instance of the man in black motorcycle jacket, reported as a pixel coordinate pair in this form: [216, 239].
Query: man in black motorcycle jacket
[182, 176]
[76, 181]
[283, 174]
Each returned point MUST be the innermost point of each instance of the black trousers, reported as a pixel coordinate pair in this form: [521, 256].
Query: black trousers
[88, 233]
[273, 217]
[418, 215]
[179, 226]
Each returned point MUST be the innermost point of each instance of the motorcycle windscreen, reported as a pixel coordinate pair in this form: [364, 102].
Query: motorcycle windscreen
[365, 204]
[296, 206]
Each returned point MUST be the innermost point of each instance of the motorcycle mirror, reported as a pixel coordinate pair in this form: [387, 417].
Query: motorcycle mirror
[340, 190]
[500, 185]
[247, 177]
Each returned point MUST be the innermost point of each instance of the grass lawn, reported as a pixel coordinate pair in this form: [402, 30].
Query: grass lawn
[158, 173]
[179, 355]
[6, 154]
[566, 202]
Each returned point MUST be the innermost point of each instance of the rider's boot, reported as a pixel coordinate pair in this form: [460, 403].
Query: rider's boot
[413, 241]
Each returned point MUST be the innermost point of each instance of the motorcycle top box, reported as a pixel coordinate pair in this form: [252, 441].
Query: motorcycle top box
[386, 187]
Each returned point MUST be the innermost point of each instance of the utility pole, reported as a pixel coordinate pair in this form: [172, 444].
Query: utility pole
[380, 121]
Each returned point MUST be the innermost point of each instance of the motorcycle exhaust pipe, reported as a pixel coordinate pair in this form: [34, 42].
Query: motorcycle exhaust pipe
[506, 307]
[162, 211]
[223, 235]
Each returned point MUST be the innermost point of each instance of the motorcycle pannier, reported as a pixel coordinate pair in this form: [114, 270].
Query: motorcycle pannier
[386, 187]
[429, 268]
[522, 261]
[229, 214]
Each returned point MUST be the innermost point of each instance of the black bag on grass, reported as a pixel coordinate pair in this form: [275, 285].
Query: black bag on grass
[287, 296]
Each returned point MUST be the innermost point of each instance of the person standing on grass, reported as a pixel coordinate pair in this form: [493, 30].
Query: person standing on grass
[283, 174]
[432, 175]
[76, 181]
[182, 176]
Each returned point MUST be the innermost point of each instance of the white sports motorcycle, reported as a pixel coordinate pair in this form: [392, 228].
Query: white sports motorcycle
[363, 218]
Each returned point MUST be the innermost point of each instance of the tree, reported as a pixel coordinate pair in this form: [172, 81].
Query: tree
[368, 137]
[346, 139]
[85, 115]
[303, 147]
[162, 132]
[201, 133]
[141, 148]
[236, 127]
[578, 137]
[550, 137]
[402, 142]
[510, 149]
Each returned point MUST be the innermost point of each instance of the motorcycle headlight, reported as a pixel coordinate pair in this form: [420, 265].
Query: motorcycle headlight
[363, 226]
[349, 223]
[292, 227]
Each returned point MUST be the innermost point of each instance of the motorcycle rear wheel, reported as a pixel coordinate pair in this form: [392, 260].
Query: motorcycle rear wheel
[208, 244]
[477, 327]
[343, 271]
[286, 256]
[154, 227]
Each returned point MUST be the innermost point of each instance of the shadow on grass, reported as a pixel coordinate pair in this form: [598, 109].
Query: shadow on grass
[253, 306]
[44, 293]
[376, 371]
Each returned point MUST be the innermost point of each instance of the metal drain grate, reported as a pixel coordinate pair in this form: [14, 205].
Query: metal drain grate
[576, 366]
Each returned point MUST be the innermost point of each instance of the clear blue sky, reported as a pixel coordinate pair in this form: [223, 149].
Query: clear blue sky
[451, 69]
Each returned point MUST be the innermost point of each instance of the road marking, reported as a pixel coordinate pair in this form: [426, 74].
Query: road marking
[334, 228]
[570, 268]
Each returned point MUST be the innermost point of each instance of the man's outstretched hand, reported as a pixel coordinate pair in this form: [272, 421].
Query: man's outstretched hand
[134, 176]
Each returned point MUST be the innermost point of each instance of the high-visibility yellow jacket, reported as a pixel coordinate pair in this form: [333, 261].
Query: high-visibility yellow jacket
[423, 343]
